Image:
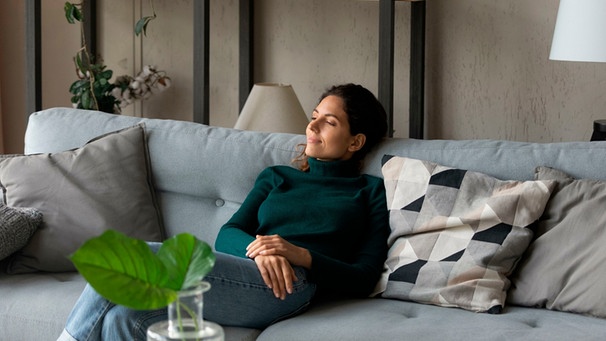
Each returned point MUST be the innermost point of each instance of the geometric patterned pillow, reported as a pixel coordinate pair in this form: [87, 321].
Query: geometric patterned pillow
[455, 234]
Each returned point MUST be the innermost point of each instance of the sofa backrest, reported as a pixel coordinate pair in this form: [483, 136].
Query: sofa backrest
[202, 173]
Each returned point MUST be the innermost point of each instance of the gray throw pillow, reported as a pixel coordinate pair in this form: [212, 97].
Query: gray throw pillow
[106, 184]
[17, 225]
[564, 268]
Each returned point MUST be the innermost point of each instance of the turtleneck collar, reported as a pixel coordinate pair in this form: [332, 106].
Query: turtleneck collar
[339, 168]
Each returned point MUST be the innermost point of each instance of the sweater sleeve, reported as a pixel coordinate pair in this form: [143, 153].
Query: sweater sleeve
[358, 277]
[241, 228]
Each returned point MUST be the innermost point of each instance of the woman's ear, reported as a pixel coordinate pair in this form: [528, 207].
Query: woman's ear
[357, 143]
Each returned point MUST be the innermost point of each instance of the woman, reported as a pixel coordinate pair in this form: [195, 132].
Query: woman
[321, 228]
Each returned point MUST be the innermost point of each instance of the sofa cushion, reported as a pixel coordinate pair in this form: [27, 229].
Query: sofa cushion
[565, 266]
[456, 234]
[17, 225]
[106, 184]
[385, 320]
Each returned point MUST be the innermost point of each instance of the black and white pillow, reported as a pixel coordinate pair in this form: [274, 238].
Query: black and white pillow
[455, 234]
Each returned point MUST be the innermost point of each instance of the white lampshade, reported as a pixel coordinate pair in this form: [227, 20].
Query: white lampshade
[580, 31]
[273, 107]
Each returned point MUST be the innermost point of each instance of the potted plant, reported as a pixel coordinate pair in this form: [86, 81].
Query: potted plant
[126, 271]
[93, 89]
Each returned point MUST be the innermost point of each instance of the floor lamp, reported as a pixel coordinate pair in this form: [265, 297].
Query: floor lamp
[580, 35]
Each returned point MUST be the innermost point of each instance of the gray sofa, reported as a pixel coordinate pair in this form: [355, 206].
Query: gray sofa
[201, 174]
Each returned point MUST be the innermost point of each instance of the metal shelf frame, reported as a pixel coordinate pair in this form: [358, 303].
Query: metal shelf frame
[201, 72]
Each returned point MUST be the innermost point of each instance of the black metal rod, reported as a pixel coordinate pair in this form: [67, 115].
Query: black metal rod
[386, 59]
[89, 11]
[417, 70]
[201, 68]
[33, 60]
[246, 50]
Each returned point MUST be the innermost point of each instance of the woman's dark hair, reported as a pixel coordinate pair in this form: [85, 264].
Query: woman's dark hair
[365, 115]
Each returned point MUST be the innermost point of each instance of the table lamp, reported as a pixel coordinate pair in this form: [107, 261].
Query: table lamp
[273, 107]
[580, 35]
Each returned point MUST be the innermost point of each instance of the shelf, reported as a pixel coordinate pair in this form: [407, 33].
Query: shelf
[201, 58]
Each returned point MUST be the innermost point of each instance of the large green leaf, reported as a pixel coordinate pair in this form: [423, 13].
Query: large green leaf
[125, 271]
[188, 260]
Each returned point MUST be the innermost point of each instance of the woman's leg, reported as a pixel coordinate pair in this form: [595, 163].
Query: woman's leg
[237, 297]
[86, 321]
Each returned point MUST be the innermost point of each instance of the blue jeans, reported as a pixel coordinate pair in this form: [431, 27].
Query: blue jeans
[237, 297]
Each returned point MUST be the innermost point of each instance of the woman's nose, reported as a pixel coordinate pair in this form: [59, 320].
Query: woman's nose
[312, 126]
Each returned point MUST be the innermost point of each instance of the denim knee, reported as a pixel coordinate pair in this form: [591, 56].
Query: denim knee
[121, 323]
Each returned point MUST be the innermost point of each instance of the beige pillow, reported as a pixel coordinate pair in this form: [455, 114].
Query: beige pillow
[104, 185]
[564, 268]
[455, 234]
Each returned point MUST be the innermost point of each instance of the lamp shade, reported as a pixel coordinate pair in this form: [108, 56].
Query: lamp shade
[580, 31]
[273, 107]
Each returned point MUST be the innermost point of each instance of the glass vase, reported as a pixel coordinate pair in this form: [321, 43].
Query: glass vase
[185, 319]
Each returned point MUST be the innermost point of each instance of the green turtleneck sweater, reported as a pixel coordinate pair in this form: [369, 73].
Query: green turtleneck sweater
[339, 216]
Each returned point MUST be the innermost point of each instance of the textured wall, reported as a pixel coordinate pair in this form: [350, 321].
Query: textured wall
[315, 43]
[489, 76]
[488, 73]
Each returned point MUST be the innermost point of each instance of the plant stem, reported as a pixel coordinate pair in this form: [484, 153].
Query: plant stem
[151, 3]
[190, 312]
[91, 75]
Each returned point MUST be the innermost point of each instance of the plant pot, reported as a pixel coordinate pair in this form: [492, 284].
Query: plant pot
[185, 319]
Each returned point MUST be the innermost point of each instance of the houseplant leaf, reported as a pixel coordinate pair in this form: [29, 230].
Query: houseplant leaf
[125, 271]
[72, 13]
[188, 260]
[141, 25]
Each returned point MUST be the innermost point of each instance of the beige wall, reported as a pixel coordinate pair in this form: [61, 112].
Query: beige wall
[60, 41]
[488, 73]
[12, 69]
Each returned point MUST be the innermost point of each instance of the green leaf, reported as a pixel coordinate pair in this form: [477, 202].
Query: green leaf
[188, 259]
[79, 86]
[125, 271]
[85, 100]
[141, 25]
[72, 13]
[107, 74]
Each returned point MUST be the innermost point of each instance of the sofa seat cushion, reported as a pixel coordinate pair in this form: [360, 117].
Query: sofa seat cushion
[41, 302]
[37, 303]
[386, 319]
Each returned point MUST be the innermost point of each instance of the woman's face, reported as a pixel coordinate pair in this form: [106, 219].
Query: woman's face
[328, 136]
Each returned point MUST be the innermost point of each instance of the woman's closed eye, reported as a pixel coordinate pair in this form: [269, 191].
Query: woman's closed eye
[330, 122]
